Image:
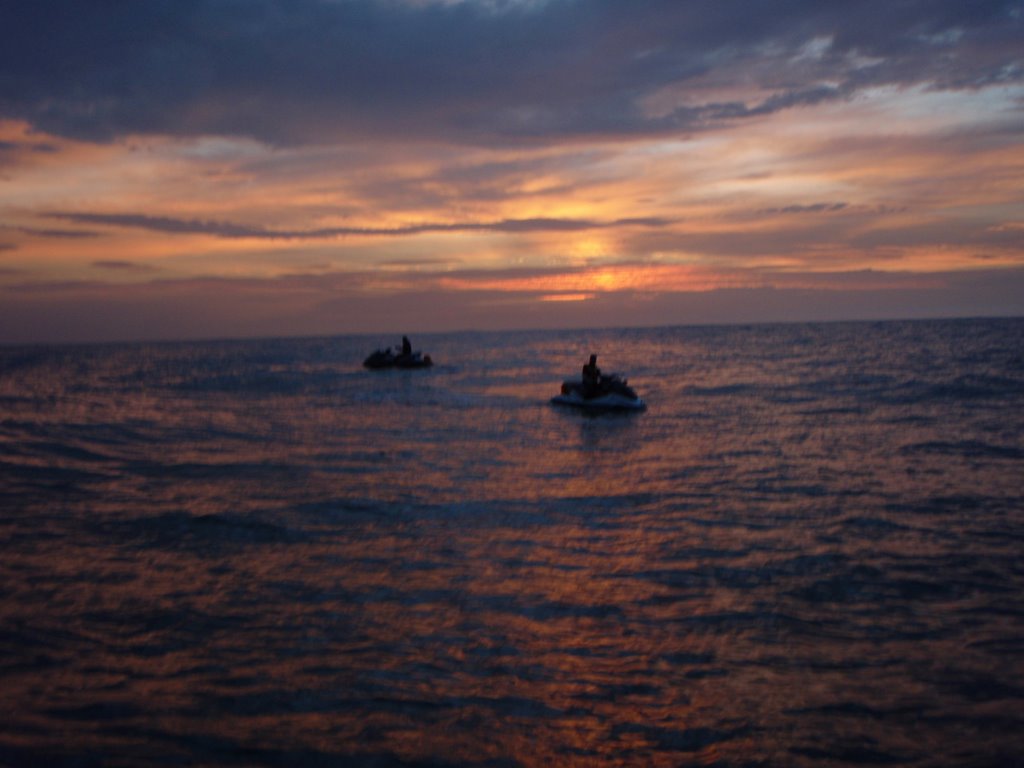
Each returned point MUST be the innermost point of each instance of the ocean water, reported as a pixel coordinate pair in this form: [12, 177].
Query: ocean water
[806, 552]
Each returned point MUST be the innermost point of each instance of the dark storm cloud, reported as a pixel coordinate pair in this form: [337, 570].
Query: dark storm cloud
[317, 70]
[168, 225]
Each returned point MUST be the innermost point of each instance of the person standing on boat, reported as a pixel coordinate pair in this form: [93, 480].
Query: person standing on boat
[591, 377]
[406, 346]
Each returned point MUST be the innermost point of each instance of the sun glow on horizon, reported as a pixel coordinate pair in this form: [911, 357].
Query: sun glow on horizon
[592, 281]
[568, 297]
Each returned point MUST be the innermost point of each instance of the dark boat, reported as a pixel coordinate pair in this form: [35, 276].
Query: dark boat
[610, 393]
[386, 358]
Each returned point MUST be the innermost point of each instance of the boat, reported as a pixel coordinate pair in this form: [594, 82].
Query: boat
[386, 358]
[610, 393]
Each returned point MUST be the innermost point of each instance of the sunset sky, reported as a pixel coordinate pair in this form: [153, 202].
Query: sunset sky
[221, 168]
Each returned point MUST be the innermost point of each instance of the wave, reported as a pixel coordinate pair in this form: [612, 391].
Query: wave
[971, 449]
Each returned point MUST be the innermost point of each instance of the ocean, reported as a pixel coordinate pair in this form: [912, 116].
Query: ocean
[807, 551]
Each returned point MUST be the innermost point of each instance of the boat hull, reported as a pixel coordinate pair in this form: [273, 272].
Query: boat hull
[602, 403]
[617, 397]
[381, 360]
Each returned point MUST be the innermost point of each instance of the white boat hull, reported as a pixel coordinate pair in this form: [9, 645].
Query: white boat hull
[609, 402]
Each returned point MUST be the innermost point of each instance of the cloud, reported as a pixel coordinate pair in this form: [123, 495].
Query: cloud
[666, 148]
[422, 262]
[296, 71]
[169, 225]
[115, 264]
[60, 234]
[812, 208]
[13, 152]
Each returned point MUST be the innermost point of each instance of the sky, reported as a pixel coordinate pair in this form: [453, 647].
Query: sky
[174, 169]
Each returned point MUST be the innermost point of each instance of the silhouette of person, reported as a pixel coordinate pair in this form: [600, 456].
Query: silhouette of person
[591, 377]
[406, 346]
